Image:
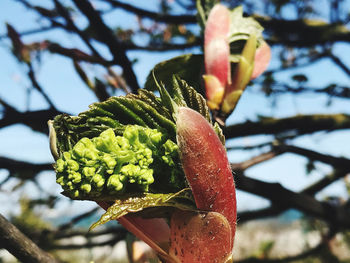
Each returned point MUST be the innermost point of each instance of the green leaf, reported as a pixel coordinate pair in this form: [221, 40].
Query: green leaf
[219, 132]
[242, 27]
[187, 67]
[144, 109]
[185, 95]
[240, 30]
[135, 203]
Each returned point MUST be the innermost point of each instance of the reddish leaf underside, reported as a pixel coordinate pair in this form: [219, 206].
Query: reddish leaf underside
[200, 237]
[218, 23]
[155, 232]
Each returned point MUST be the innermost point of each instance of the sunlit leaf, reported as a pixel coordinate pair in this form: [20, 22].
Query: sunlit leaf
[136, 203]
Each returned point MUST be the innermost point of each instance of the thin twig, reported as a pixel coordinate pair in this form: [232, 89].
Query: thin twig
[105, 35]
[298, 125]
[337, 61]
[281, 196]
[37, 86]
[171, 19]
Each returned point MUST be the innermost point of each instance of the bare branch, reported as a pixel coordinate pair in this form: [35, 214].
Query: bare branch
[70, 24]
[255, 160]
[338, 62]
[37, 120]
[302, 32]
[283, 197]
[76, 54]
[48, 14]
[163, 46]
[31, 31]
[331, 90]
[171, 19]
[106, 35]
[324, 182]
[36, 85]
[337, 162]
[15, 165]
[297, 125]
[21, 246]
[77, 219]
[259, 213]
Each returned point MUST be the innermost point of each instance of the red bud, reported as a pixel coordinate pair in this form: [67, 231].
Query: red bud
[206, 166]
[216, 46]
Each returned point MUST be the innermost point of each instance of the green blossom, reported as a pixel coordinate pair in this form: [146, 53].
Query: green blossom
[110, 164]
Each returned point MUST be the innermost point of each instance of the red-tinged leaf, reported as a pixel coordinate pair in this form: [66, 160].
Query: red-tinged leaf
[155, 232]
[217, 60]
[216, 46]
[200, 237]
[206, 166]
[261, 60]
[218, 24]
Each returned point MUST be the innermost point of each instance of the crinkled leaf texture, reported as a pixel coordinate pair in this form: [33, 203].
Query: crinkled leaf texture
[144, 109]
[136, 203]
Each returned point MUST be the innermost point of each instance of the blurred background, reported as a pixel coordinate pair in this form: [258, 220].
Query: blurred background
[288, 139]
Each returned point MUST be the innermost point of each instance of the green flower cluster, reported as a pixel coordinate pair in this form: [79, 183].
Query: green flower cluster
[108, 164]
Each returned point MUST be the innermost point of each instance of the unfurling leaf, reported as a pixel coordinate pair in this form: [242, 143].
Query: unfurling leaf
[136, 203]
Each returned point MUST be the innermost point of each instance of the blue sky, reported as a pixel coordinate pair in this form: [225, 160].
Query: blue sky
[67, 91]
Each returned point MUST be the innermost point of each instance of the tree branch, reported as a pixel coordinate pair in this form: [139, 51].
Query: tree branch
[302, 32]
[297, 125]
[292, 32]
[76, 54]
[331, 90]
[325, 181]
[77, 219]
[253, 161]
[283, 197]
[37, 86]
[163, 46]
[70, 24]
[171, 19]
[337, 162]
[338, 62]
[37, 120]
[31, 31]
[106, 35]
[21, 246]
[275, 210]
[15, 165]
[259, 213]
